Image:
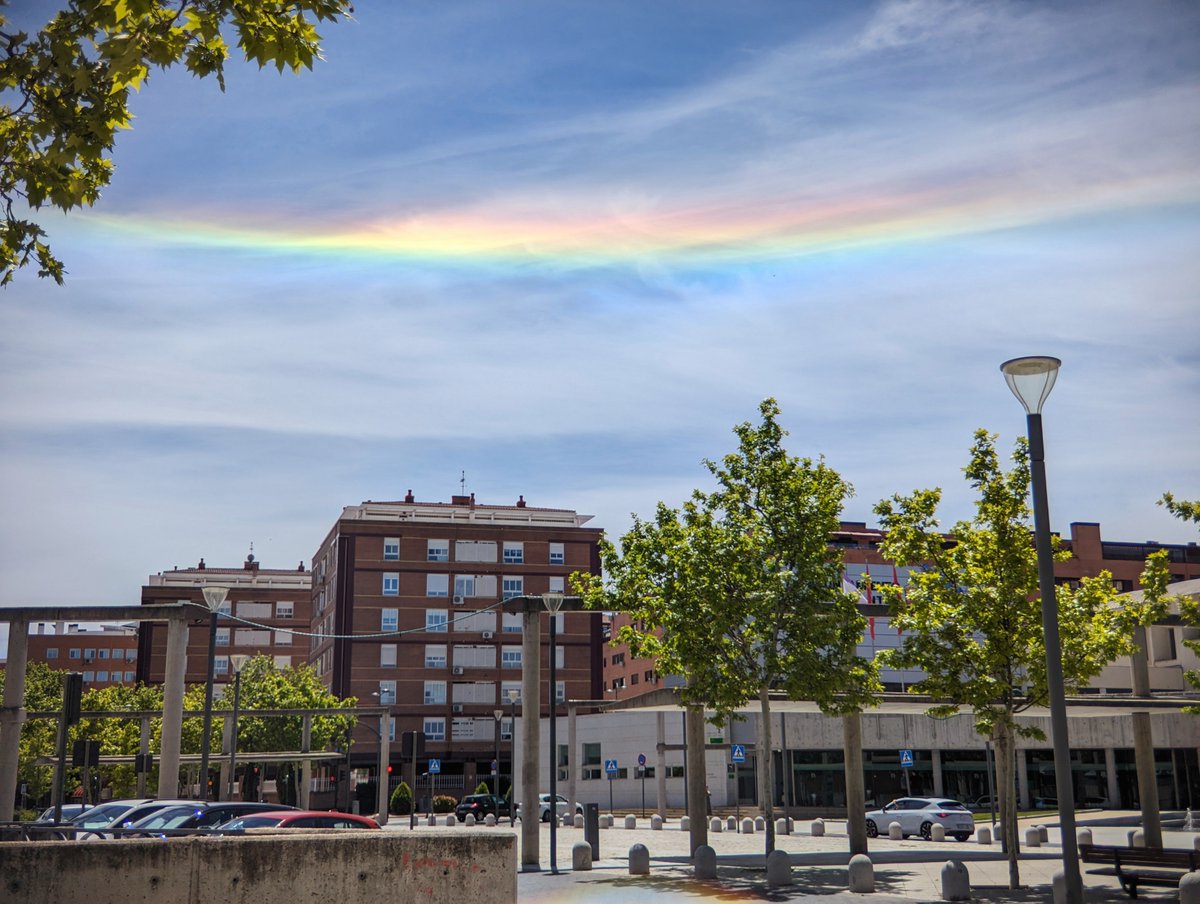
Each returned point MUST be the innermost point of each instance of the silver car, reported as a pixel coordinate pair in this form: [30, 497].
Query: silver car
[918, 816]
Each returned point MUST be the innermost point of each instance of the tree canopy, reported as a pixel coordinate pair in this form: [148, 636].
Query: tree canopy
[66, 92]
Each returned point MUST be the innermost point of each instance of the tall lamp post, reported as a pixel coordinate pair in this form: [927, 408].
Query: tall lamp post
[214, 598]
[498, 715]
[237, 662]
[553, 602]
[513, 696]
[1031, 380]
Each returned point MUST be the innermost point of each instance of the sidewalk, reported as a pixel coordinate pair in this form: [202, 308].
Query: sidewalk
[906, 872]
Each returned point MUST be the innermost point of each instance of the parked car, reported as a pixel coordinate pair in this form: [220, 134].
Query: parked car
[981, 804]
[102, 815]
[480, 805]
[562, 805]
[918, 815]
[1045, 803]
[298, 819]
[69, 812]
[202, 815]
[119, 815]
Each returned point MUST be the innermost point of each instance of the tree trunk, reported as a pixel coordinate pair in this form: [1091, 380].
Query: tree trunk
[766, 770]
[1007, 795]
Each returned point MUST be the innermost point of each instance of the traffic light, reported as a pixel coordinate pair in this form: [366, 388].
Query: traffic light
[72, 696]
[389, 768]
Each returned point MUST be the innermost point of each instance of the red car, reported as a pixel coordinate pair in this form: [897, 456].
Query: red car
[298, 819]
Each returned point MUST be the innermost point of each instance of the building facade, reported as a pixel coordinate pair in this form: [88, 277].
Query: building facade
[260, 615]
[406, 611]
[105, 654]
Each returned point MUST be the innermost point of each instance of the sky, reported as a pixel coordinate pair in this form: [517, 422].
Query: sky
[562, 249]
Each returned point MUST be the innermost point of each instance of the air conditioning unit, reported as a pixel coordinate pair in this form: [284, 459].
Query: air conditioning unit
[488, 635]
[459, 600]
[457, 707]
[458, 670]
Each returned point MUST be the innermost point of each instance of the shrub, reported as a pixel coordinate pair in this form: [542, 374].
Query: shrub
[444, 803]
[482, 788]
[401, 802]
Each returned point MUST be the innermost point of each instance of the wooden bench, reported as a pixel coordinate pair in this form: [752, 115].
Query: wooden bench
[1135, 866]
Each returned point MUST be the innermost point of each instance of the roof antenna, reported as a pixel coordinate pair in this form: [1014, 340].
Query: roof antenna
[462, 483]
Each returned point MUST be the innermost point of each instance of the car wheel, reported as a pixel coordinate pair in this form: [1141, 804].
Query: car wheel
[927, 830]
[872, 829]
[962, 836]
[546, 816]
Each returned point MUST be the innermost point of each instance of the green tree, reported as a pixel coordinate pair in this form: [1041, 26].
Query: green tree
[971, 613]
[401, 801]
[43, 693]
[1183, 509]
[1189, 606]
[120, 737]
[66, 91]
[739, 592]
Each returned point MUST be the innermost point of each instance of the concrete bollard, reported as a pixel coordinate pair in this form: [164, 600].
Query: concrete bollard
[579, 820]
[956, 881]
[731, 823]
[983, 835]
[1033, 838]
[704, 862]
[747, 826]
[1083, 836]
[760, 823]
[862, 874]
[1189, 888]
[1044, 833]
[685, 823]
[568, 820]
[1058, 887]
[817, 829]
[1136, 838]
[715, 825]
[639, 860]
[489, 820]
[781, 827]
[1196, 842]
[895, 831]
[470, 820]
[791, 825]
[656, 823]
[451, 820]
[608, 820]
[431, 820]
[630, 821]
[779, 869]
[581, 856]
[937, 832]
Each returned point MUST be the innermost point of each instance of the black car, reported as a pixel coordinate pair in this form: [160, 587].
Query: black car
[201, 815]
[480, 805]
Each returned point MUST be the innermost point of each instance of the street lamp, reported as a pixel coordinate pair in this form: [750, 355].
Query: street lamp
[513, 696]
[237, 662]
[553, 602]
[497, 714]
[214, 598]
[1031, 380]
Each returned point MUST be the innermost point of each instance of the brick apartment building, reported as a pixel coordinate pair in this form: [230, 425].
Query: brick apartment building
[105, 654]
[406, 611]
[1090, 554]
[264, 606]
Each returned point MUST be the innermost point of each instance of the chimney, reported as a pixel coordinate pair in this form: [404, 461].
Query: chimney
[200, 567]
[460, 500]
[300, 567]
[520, 502]
[408, 497]
[250, 565]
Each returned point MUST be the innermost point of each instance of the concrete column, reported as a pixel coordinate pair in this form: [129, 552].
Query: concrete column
[1143, 745]
[172, 724]
[856, 796]
[660, 761]
[936, 763]
[12, 716]
[306, 764]
[1110, 773]
[531, 736]
[697, 778]
[572, 757]
[1022, 766]
[385, 754]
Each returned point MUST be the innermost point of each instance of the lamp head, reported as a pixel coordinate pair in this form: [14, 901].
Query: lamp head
[497, 714]
[513, 695]
[552, 601]
[1031, 379]
[214, 597]
[238, 662]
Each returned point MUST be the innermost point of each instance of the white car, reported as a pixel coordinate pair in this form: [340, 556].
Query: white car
[563, 806]
[918, 816]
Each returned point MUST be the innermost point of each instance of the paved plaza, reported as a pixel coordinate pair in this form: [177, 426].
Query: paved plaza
[906, 872]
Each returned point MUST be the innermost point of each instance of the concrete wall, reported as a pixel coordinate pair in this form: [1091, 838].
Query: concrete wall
[336, 867]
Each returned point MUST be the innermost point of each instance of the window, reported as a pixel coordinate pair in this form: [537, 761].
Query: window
[438, 551]
[618, 658]
[474, 656]
[591, 765]
[475, 550]
[391, 549]
[514, 553]
[392, 728]
[472, 622]
[510, 657]
[633, 679]
[387, 692]
[118, 654]
[254, 610]
[221, 665]
[558, 585]
[435, 692]
[251, 637]
[560, 691]
[436, 620]
[437, 585]
[511, 622]
[51, 652]
[387, 655]
[223, 637]
[435, 655]
[74, 653]
[435, 729]
[391, 584]
[506, 687]
[131, 655]
[89, 676]
[101, 676]
[129, 676]
[513, 587]
[389, 619]
[466, 585]
[284, 638]
[103, 654]
[285, 610]
[558, 554]
[88, 654]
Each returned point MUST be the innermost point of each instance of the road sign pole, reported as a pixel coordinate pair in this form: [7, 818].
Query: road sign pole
[610, 795]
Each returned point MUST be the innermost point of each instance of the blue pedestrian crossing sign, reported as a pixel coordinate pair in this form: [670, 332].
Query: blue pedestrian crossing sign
[435, 766]
[610, 766]
[906, 759]
[738, 752]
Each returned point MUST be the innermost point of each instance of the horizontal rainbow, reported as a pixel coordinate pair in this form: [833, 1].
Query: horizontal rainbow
[713, 235]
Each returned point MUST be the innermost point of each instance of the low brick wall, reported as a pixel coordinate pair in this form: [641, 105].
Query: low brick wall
[330, 868]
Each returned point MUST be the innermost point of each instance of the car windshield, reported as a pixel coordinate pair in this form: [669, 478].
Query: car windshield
[170, 818]
[949, 805]
[99, 816]
[251, 822]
